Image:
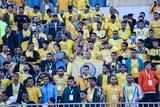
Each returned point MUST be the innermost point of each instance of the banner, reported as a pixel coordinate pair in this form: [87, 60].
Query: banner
[95, 67]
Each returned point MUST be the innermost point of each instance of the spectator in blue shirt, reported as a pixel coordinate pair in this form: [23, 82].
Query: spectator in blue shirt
[48, 91]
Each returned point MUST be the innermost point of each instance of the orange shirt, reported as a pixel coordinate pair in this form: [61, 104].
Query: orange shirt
[147, 81]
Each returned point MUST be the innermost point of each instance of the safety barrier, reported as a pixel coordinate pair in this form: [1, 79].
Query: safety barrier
[121, 104]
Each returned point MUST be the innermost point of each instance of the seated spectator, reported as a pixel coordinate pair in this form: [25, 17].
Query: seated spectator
[3, 54]
[35, 12]
[25, 100]
[18, 52]
[148, 40]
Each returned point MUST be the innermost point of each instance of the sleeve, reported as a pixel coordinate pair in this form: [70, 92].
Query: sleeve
[58, 37]
[140, 94]
[55, 93]
[39, 93]
[156, 78]
[140, 78]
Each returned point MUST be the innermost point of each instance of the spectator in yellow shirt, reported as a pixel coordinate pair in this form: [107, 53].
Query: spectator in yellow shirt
[113, 25]
[80, 4]
[35, 12]
[95, 39]
[154, 7]
[116, 41]
[98, 11]
[124, 33]
[91, 49]
[78, 54]
[34, 93]
[67, 45]
[71, 28]
[68, 66]
[4, 81]
[69, 13]
[155, 25]
[27, 9]
[62, 5]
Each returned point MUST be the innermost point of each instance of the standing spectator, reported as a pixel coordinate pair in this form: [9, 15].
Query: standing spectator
[10, 39]
[80, 5]
[31, 54]
[45, 6]
[34, 93]
[155, 52]
[134, 65]
[18, 52]
[12, 64]
[132, 21]
[61, 82]
[104, 78]
[48, 90]
[113, 92]
[66, 44]
[3, 54]
[16, 88]
[83, 79]
[147, 81]
[142, 14]
[95, 93]
[20, 65]
[121, 77]
[71, 94]
[97, 11]
[62, 5]
[25, 100]
[27, 9]
[48, 65]
[21, 18]
[155, 26]
[124, 33]
[142, 51]
[53, 27]
[148, 41]
[154, 7]
[132, 91]
[11, 2]
[35, 12]
[58, 37]
[3, 7]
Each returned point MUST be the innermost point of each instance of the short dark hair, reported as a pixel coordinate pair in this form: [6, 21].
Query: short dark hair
[151, 30]
[29, 78]
[133, 50]
[123, 65]
[58, 45]
[146, 63]
[49, 11]
[80, 31]
[9, 54]
[38, 64]
[36, 7]
[9, 5]
[114, 53]
[142, 13]
[86, 66]
[15, 73]
[141, 40]
[21, 7]
[61, 67]
[107, 66]
[70, 7]
[113, 16]
[5, 62]
[125, 43]
[71, 78]
[83, 91]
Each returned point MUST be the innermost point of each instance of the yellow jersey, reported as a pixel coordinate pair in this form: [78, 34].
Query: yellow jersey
[121, 79]
[155, 25]
[80, 4]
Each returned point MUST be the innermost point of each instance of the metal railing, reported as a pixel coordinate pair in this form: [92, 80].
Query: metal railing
[109, 104]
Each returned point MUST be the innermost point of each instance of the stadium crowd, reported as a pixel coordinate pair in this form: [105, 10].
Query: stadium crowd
[39, 45]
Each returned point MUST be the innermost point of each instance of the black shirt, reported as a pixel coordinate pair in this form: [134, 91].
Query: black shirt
[20, 19]
[148, 43]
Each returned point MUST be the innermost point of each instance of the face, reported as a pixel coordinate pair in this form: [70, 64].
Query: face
[24, 96]
[115, 33]
[65, 61]
[104, 69]
[133, 54]
[64, 38]
[80, 25]
[45, 46]
[113, 20]
[49, 57]
[123, 25]
[9, 58]
[39, 28]
[18, 51]
[93, 37]
[99, 25]
[80, 35]
[92, 83]
[141, 14]
[55, 18]
[97, 7]
[22, 59]
[25, 26]
[124, 47]
[141, 25]
[50, 38]
[8, 30]
[113, 80]
[129, 79]
[71, 83]
[21, 10]
[90, 45]
[123, 68]
[114, 56]
[85, 70]
[5, 49]
[78, 49]
[36, 68]
[31, 47]
[46, 80]
[26, 67]
[88, 55]
[56, 48]
[6, 66]
[23, 2]
[10, 9]
[30, 82]
[155, 44]
[139, 44]
[15, 77]
[148, 66]
[36, 20]
[111, 10]
[151, 33]
[156, 16]
[82, 95]
[60, 71]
